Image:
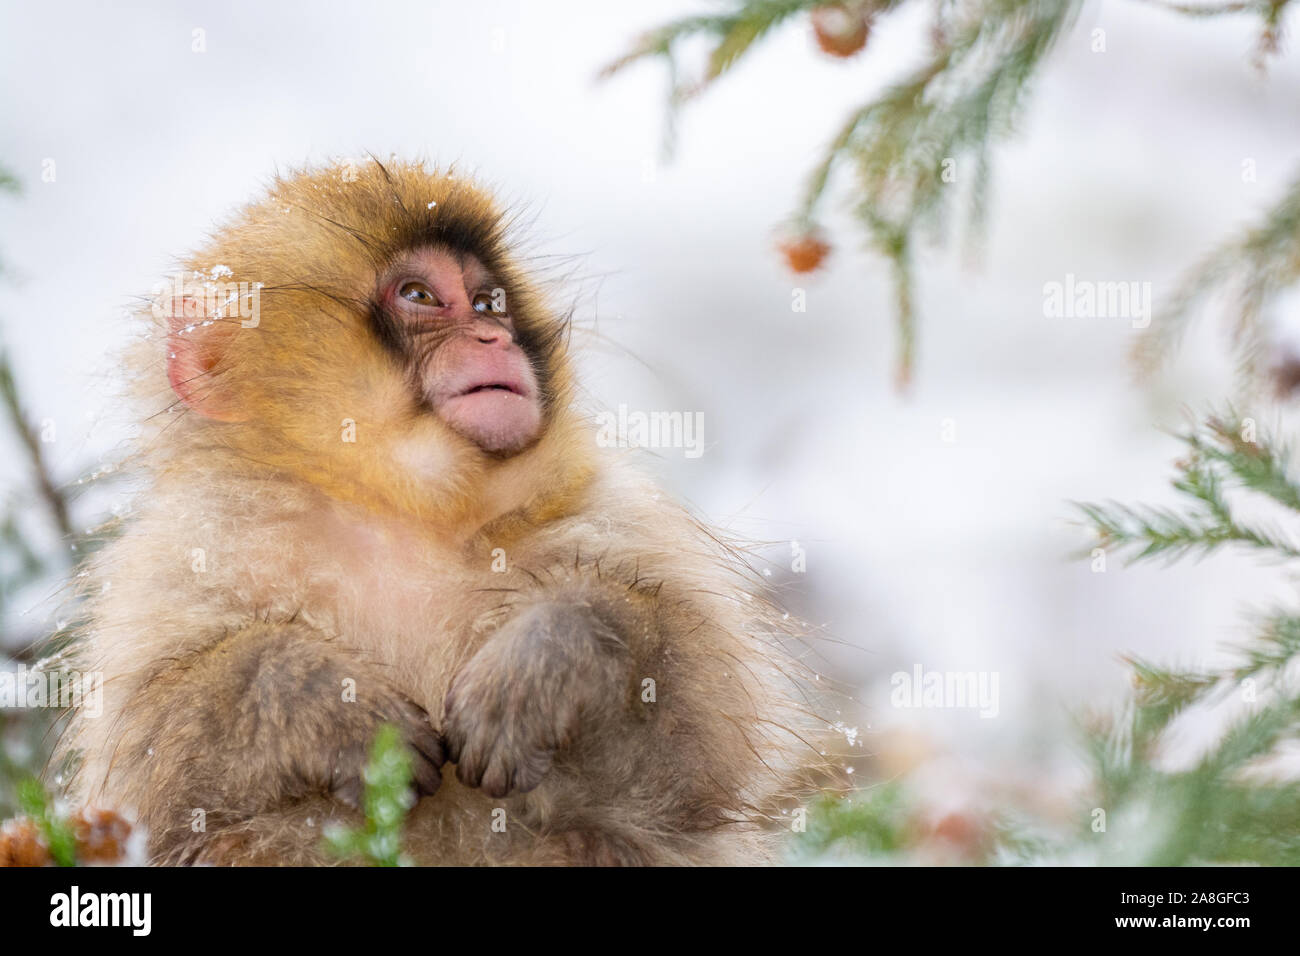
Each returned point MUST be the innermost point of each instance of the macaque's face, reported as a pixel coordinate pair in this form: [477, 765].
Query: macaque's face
[447, 319]
[395, 352]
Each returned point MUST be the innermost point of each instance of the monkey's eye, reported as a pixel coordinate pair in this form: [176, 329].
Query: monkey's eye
[486, 302]
[419, 293]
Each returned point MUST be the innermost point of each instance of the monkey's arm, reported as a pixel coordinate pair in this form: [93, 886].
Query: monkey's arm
[260, 719]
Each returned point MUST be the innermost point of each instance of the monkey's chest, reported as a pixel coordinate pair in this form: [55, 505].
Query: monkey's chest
[418, 613]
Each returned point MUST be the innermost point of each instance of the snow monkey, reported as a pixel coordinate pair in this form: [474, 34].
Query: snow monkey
[368, 496]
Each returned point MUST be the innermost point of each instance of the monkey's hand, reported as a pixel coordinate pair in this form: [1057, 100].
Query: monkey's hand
[274, 713]
[527, 693]
[344, 700]
[412, 721]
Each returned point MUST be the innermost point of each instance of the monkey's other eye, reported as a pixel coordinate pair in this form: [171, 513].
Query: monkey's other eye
[419, 293]
[487, 302]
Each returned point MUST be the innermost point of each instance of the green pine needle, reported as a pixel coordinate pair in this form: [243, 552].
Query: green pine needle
[58, 834]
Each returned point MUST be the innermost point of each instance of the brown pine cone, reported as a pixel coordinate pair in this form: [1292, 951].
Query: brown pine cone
[840, 31]
[804, 253]
[21, 844]
[102, 836]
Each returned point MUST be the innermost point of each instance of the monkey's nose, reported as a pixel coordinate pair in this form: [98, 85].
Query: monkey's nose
[492, 333]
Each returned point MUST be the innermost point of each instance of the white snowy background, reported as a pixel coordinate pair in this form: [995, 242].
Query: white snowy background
[951, 556]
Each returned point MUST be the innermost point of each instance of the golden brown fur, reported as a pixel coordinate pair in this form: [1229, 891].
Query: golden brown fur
[266, 561]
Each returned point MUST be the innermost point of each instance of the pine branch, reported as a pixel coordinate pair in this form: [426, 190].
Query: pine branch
[1212, 9]
[1219, 456]
[969, 93]
[1270, 13]
[55, 500]
[948, 115]
[1256, 266]
[1161, 695]
[1276, 644]
[1227, 807]
[10, 184]
[733, 34]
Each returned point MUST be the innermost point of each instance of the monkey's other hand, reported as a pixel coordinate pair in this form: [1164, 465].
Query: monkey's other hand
[525, 694]
[268, 716]
[412, 721]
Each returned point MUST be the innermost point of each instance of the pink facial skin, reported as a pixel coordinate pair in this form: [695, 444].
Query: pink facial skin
[472, 372]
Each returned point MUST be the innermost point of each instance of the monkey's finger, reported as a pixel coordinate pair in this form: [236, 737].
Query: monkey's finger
[519, 772]
[428, 777]
[410, 711]
[471, 763]
[448, 708]
[453, 739]
[413, 723]
[419, 730]
[427, 743]
[497, 779]
[528, 773]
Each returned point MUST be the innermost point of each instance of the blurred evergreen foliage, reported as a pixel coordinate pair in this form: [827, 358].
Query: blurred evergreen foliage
[39, 544]
[903, 146]
[1239, 800]
[1233, 804]
[56, 833]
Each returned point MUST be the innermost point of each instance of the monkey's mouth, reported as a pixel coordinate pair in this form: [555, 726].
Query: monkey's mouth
[495, 410]
[493, 386]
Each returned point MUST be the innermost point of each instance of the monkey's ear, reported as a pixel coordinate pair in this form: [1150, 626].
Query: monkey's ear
[194, 346]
